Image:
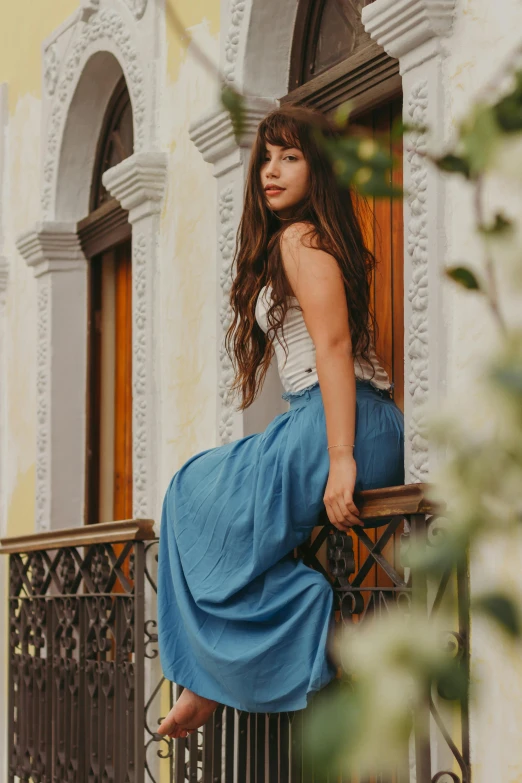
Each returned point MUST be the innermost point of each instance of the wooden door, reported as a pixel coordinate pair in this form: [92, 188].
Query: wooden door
[109, 495]
[383, 228]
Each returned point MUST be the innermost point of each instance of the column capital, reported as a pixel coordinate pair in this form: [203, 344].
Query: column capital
[214, 136]
[402, 27]
[138, 182]
[51, 247]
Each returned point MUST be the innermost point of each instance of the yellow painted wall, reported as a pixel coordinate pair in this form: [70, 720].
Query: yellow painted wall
[190, 13]
[23, 26]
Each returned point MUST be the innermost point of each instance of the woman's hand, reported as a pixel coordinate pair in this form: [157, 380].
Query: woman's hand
[338, 497]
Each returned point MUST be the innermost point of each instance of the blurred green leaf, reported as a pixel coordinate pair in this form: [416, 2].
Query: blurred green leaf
[502, 609]
[453, 163]
[452, 684]
[463, 277]
[479, 135]
[500, 225]
[510, 378]
[234, 103]
[508, 111]
[342, 114]
[331, 729]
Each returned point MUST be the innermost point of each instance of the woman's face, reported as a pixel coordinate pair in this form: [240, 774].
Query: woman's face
[284, 178]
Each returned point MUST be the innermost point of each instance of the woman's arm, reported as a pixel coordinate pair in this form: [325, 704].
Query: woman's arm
[316, 281]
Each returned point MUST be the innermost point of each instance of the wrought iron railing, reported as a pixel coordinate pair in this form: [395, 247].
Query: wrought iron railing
[86, 693]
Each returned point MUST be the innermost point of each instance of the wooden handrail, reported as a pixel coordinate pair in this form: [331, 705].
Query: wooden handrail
[394, 501]
[103, 533]
[372, 504]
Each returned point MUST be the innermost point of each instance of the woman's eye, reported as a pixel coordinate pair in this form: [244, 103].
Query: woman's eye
[290, 157]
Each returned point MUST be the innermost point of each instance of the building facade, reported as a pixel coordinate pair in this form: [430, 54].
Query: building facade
[121, 188]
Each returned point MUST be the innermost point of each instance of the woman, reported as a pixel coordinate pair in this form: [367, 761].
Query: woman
[241, 622]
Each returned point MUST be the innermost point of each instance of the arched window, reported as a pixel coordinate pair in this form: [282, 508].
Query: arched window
[116, 141]
[106, 240]
[334, 59]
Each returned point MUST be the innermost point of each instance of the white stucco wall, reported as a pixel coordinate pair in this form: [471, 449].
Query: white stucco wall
[483, 35]
[188, 267]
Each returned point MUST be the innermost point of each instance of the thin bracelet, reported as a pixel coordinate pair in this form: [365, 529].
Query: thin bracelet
[338, 445]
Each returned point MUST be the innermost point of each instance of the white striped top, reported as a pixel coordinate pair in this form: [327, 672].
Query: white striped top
[298, 370]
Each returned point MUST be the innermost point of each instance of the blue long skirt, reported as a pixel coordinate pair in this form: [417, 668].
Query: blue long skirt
[240, 620]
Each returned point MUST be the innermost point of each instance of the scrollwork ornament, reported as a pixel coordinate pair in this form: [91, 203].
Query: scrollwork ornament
[446, 777]
[100, 567]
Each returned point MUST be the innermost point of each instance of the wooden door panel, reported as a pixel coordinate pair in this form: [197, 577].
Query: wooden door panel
[109, 491]
[123, 386]
[382, 222]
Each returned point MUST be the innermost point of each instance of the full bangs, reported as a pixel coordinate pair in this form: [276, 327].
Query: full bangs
[281, 131]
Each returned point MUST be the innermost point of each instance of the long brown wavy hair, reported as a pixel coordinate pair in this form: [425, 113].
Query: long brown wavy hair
[333, 216]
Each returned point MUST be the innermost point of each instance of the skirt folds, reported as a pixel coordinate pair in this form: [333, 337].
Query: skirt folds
[239, 620]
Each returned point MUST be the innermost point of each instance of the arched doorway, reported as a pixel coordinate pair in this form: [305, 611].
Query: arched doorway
[334, 60]
[105, 236]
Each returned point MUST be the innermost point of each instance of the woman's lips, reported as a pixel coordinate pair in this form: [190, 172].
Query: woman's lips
[274, 191]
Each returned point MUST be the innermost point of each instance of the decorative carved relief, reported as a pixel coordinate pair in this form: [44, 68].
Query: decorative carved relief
[237, 12]
[138, 7]
[103, 26]
[141, 368]
[43, 377]
[88, 8]
[138, 183]
[50, 69]
[417, 248]
[401, 26]
[4, 275]
[226, 248]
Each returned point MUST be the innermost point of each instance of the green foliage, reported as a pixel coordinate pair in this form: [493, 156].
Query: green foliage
[361, 163]
[503, 610]
[463, 277]
[234, 103]
[508, 110]
[501, 225]
[453, 164]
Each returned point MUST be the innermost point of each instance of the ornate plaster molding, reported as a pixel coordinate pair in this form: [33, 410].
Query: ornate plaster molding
[88, 8]
[51, 247]
[4, 275]
[232, 40]
[418, 292]
[138, 183]
[214, 137]
[138, 7]
[43, 405]
[402, 26]
[103, 29]
[213, 134]
[226, 241]
[50, 69]
[414, 31]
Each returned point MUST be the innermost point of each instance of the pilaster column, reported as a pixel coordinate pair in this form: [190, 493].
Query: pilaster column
[54, 253]
[138, 183]
[214, 137]
[413, 31]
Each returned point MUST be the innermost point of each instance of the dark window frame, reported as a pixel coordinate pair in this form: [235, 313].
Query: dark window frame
[368, 77]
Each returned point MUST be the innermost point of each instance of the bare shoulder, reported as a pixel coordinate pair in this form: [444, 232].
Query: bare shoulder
[302, 234]
[309, 269]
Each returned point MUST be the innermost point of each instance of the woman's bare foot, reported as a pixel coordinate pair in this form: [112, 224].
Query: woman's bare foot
[188, 714]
